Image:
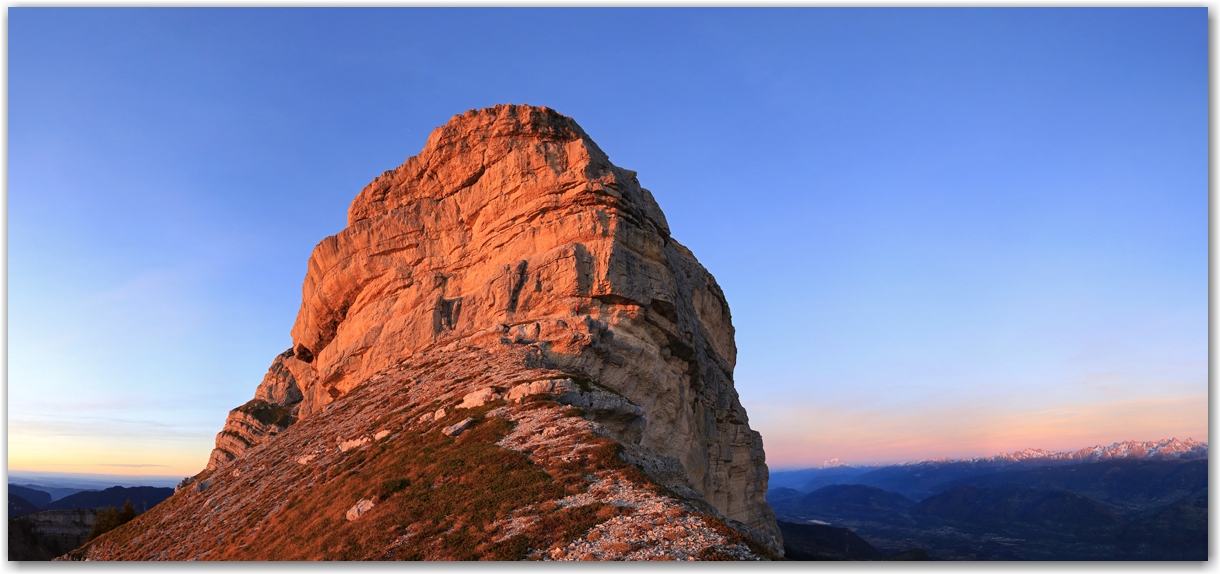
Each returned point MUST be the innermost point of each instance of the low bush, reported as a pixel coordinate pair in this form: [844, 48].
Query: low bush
[389, 487]
[268, 413]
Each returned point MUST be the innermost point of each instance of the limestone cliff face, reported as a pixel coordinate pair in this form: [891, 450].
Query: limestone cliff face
[512, 227]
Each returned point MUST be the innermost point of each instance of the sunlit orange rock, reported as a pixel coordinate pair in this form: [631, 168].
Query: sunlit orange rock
[512, 230]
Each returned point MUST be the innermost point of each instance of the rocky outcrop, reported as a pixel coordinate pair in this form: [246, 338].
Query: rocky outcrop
[274, 407]
[75, 522]
[513, 230]
[47, 534]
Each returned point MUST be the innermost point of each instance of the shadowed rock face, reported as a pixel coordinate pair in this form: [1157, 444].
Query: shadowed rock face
[512, 227]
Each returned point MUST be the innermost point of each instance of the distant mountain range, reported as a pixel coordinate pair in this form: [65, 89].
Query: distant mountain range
[29, 498]
[39, 498]
[1168, 448]
[1129, 501]
[141, 497]
[55, 492]
[1164, 449]
[835, 471]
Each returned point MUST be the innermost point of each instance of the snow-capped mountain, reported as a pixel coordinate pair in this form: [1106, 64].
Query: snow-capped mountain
[1164, 449]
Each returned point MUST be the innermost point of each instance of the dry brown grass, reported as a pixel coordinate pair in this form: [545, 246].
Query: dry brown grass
[440, 491]
[436, 499]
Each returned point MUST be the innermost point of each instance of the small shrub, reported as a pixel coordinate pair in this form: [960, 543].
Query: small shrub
[715, 554]
[573, 522]
[268, 413]
[389, 487]
[620, 547]
[515, 548]
[610, 511]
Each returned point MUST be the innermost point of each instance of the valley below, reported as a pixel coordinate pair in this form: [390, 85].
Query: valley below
[1110, 510]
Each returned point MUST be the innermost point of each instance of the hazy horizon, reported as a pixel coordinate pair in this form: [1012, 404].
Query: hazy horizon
[91, 481]
[53, 478]
[940, 232]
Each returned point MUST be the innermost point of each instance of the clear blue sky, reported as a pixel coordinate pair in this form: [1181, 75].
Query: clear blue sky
[941, 232]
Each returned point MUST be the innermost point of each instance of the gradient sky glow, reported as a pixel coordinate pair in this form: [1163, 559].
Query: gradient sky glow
[942, 232]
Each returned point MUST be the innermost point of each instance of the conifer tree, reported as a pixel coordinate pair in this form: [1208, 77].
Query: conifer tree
[110, 518]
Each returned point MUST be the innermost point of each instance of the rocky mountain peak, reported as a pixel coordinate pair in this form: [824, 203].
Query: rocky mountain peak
[514, 141]
[508, 277]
